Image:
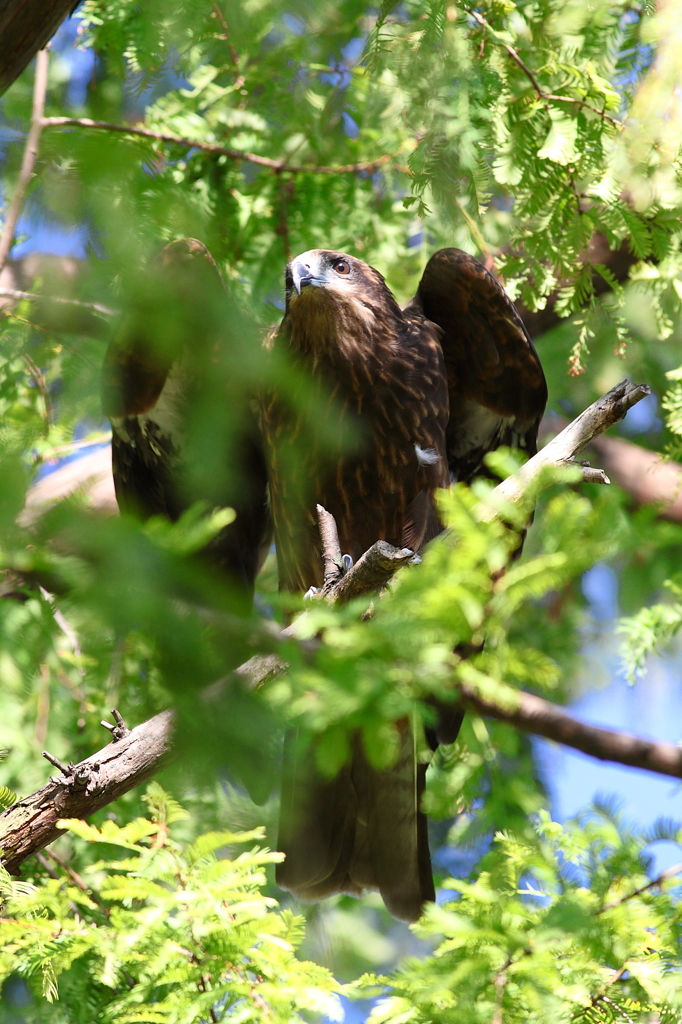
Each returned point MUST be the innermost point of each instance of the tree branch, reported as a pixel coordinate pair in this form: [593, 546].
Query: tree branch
[371, 572]
[29, 158]
[562, 449]
[515, 56]
[540, 717]
[210, 147]
[331, 549]
[31, 824]
[95, 307]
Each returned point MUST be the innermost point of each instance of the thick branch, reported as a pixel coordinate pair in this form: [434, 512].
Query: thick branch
[562, 449]
[542, 718]
[31, 824]
[372, 571]
[210, 147]
[29, 158]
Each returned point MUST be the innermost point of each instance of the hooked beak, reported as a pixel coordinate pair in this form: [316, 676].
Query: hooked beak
[302, 276]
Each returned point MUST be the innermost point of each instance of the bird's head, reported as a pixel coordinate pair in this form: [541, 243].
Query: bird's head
[327, 291]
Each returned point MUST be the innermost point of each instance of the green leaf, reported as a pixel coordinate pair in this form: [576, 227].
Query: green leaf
[560, 145]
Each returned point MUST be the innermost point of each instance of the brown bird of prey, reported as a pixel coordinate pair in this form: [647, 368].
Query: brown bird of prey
[429, 390]
[160, 368]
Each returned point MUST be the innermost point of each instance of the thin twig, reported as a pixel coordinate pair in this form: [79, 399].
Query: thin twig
[13, 293]
[42, 860]
[619, 1009]
[601, 996]
[210, 147]
[41, 384]
[518, 60]
[78, 881]
[670, 872]
[66, 629]
[233, 53]
[29, 159]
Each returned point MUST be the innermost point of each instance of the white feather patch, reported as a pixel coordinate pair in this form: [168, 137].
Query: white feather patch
[426, 456]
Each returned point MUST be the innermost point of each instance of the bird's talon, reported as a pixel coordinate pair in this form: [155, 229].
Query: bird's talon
[312, 593]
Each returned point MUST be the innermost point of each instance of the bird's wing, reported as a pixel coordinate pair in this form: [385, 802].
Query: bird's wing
[152, 378]
[495, 380]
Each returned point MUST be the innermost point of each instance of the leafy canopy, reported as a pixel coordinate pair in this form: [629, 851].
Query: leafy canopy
[512, 129]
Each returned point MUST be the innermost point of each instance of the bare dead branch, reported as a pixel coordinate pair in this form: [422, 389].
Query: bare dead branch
[562, 449]
[331, 549]
[372, 571]
[31, 824]
[29, 159]
[211, 147]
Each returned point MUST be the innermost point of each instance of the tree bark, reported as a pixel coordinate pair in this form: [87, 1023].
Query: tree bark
[563, 448]
[31, 824]
[542, 718]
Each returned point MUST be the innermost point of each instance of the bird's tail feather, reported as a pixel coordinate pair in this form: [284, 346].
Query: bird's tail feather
[362, 829]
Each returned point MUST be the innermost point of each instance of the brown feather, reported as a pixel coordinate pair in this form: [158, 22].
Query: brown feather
[381, 372]
[495, 381]
[152, 380]
[429, 390]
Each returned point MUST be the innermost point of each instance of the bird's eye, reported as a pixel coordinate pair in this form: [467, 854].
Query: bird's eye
[342, 267]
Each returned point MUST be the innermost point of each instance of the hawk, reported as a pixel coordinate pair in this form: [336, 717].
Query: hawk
[161, 368]
[382, 407]
[426, 391]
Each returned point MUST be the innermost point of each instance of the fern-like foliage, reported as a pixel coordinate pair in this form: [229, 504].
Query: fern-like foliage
[174, 934]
